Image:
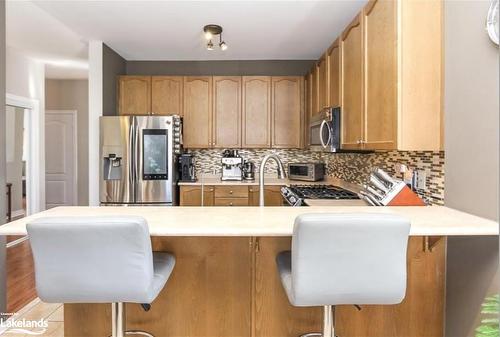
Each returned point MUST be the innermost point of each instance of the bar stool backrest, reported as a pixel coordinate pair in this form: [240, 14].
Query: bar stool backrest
[92, 259]
[349, 259]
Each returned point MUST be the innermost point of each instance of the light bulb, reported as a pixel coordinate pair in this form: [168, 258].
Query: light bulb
[208, 35]
[210, 45]
[223, 45]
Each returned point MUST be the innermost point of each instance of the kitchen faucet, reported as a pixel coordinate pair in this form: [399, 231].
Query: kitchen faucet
[281, 174]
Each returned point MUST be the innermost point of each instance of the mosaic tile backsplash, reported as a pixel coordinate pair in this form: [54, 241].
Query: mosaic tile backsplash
[347, 166]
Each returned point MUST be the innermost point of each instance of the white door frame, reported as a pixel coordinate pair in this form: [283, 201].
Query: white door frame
[73, 115]
[35, 170]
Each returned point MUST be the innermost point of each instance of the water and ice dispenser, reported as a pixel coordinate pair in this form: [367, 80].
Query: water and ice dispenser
[112, 169]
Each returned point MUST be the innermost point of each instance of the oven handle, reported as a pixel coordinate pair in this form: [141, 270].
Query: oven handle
[321, 134]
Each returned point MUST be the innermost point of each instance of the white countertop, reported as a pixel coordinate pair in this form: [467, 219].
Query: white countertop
[267, 221]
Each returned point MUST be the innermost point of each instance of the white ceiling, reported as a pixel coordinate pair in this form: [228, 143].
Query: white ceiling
[36, 34]
[172, 30]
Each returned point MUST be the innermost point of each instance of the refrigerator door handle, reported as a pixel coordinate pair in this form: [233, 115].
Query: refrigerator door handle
[133, 156]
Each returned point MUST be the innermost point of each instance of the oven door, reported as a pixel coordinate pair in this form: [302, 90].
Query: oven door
[320, 135]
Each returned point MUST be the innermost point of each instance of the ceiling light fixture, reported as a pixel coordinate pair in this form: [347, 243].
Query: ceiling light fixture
[210, 32]
[210, 45]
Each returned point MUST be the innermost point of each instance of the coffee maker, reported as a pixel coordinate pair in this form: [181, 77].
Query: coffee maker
[231, 165]
[186, 167]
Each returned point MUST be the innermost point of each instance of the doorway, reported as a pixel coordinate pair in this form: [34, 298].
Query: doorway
[60, 158]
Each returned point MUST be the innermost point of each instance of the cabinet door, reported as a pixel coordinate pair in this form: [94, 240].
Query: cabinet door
[256, 112]
[272, 196]
[287, 98]
[334, 70]
[315, 91]
[308, 112]
[134, 95]
[197, 124]
[227, 112]
[191, 195]
[166, 95]
[380, 86]
[323, 93]
[352, 85]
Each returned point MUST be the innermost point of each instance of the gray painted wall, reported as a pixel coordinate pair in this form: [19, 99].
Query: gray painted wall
[112, 66]
[471, 162]
[73, 95]
[3, 288]
[219, 68]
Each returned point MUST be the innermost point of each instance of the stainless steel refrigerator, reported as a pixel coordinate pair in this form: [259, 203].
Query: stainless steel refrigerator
[138, 159]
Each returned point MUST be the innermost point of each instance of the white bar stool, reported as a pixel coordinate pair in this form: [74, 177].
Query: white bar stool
[345, 259]
[98, 260]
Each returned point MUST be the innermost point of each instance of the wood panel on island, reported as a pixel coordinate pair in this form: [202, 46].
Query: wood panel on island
[390, 92]
[230, 286]
[229, 195]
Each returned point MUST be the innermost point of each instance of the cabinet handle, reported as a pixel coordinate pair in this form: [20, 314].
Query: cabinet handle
[358, 141]
[230, 192]
[230, 204]
[250, 190]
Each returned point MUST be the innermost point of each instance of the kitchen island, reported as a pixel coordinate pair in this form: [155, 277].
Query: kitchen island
[225, 281]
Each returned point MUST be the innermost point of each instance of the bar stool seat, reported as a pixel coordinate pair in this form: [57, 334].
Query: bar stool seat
[98, 260]
[350, 259]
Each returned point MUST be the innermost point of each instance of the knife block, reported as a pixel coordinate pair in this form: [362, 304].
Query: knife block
[402, 195]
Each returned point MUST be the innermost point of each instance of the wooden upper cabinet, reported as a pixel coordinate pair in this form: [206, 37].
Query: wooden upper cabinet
[352, 85]
[166, 95]
[256, 112]
[334, 70]
[287, 111]
[134, 95]
[380, 87]
[315, 91]
[227, 112]
[323, 90]
[197, 112]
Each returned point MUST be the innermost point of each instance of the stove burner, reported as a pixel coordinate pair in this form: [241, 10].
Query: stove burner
[322, 192]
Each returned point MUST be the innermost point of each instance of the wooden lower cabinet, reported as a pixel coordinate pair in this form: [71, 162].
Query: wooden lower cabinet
[230, 286]
[229, 195]
[272, 196]
[191, 196]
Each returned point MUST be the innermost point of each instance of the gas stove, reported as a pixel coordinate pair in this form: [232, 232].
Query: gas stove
[295, 194]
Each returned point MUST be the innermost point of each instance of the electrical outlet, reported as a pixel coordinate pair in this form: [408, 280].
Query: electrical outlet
[421, 179]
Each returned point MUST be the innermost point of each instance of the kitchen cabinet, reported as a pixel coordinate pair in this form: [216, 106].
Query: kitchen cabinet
[256, 126]
[390, 102]
[308, 112]
[381, 75]
[272, 196]
[197, 123]
[352, 85]
[134, 95]
[287, 111]
[323, 89]
[191, 195]
[314, 90]
[227, 112]
[334, 74]
[166, 95]
[229, 195]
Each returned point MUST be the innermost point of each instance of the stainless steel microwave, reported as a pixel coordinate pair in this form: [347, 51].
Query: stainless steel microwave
[324, 131]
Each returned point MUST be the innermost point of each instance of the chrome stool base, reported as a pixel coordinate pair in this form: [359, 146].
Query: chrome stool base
[118, 322]
[328, 323]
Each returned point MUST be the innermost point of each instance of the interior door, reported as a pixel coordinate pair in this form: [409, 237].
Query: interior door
[60, 158]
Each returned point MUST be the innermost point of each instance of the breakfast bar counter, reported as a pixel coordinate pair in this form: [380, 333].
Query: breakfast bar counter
[267, 221]
[225, 282]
